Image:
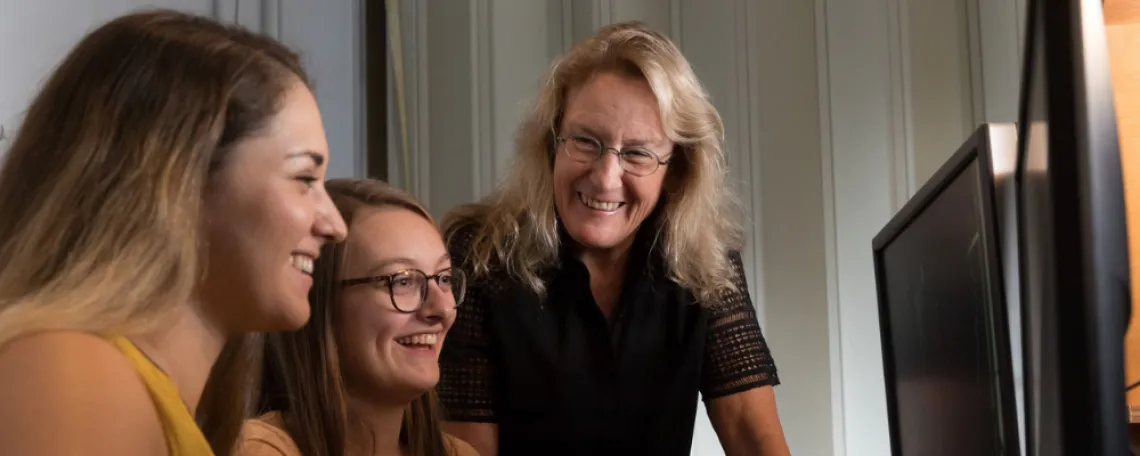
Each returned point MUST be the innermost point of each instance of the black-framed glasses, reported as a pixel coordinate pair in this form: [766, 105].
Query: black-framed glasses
[637, 161]
[408, 288]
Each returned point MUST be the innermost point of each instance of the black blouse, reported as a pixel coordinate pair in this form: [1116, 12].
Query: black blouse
[558, 378]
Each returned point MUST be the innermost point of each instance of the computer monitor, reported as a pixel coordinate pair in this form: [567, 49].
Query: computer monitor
[1074, 251]
[942, 309]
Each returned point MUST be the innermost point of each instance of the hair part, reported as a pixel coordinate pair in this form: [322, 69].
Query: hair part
[102, 189]
[516, 227]
[303, 378]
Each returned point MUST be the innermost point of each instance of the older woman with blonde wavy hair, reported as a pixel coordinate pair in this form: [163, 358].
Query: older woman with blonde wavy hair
[607, 288]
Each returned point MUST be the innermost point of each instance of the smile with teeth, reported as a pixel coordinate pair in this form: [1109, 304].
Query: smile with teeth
[599, 205]
[303, 263]
[417, 340]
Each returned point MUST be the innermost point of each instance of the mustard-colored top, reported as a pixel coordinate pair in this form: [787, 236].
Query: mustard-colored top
[183, 437]
[266, 436]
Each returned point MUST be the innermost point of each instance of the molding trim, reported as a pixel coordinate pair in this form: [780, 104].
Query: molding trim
[902, 143]
[675, 21]
[271, 21]
[482, 122]
[603, 13]
[831, 255]
[421, 152]
[271, 24]
[976, 51]
[748, 146]
[567, 24]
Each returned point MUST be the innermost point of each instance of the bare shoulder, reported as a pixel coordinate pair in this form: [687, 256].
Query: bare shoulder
[458, 447]
[68, 393]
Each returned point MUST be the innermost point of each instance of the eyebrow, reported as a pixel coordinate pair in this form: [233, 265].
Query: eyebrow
[318, 159]
[404, 262]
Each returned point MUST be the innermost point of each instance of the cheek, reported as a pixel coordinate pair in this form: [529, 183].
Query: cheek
[365, 324]
[565, 173]
[647, 190]
[294, 210]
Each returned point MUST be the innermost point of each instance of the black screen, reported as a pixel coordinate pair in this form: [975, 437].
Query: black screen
[940, 301]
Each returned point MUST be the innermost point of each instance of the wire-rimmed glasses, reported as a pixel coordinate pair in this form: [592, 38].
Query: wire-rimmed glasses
[408, 288]
[637, 161]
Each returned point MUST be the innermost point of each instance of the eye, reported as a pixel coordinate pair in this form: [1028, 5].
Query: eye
[309, 181]
[404, 283]
[584, 143]
[640, 156]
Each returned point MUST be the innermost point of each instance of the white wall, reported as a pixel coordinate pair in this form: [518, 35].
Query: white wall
[836, 111]
[482, 64]
[36, 35]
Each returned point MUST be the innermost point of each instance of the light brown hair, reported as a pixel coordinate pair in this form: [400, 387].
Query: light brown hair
[699, 224]
[302, 376]
[101, 192]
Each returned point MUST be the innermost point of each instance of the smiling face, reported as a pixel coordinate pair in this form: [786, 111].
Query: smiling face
[266, 216]
[385, 353]
[600, 204]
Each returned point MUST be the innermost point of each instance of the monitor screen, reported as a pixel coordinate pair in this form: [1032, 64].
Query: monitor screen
[943, 296]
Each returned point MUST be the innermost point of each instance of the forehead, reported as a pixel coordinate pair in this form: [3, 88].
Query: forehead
[382, 234]
[296, 126]
[615, 101]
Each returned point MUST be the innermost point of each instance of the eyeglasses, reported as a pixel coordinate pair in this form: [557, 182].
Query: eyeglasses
[408, 288]
[637, 161]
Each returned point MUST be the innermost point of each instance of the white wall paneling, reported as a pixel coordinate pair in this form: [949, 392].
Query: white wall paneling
[834, 112]
[999, 26]
[859, 169]
[902, 84]
[482, 65]
[329, 37]
[35, 36]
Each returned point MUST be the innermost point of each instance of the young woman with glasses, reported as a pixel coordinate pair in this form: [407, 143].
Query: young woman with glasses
[359, 378]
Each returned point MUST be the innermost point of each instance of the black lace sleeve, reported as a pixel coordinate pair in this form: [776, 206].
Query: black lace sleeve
[466, 378]
[736, 355]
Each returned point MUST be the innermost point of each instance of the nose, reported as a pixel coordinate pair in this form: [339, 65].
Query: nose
[607, 171]
[438, 303]
[329, 224]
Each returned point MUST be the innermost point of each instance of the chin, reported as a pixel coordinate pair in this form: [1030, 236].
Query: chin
[289, 316]
[595, 238]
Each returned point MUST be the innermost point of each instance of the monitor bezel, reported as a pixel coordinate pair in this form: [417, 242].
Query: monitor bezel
[976, 149]
[1075, 401]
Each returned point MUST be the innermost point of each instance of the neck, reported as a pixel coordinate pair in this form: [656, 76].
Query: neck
[185, 349]
[373, 429]
[608, 262]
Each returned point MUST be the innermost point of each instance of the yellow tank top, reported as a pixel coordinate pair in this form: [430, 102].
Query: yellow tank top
[183, 437]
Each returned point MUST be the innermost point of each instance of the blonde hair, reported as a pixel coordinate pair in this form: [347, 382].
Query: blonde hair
[101, 192]
[516, 226]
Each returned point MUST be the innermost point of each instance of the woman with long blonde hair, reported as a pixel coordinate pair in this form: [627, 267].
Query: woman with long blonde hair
[163, 196]
[359, 378]
[607, 285]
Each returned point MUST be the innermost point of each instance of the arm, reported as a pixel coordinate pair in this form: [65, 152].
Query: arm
[746, 423]
[72, 393]
[739, 376]
[466, 386]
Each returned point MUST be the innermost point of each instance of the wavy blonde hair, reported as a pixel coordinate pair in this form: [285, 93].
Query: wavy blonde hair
[101, 193]
[516, 227]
